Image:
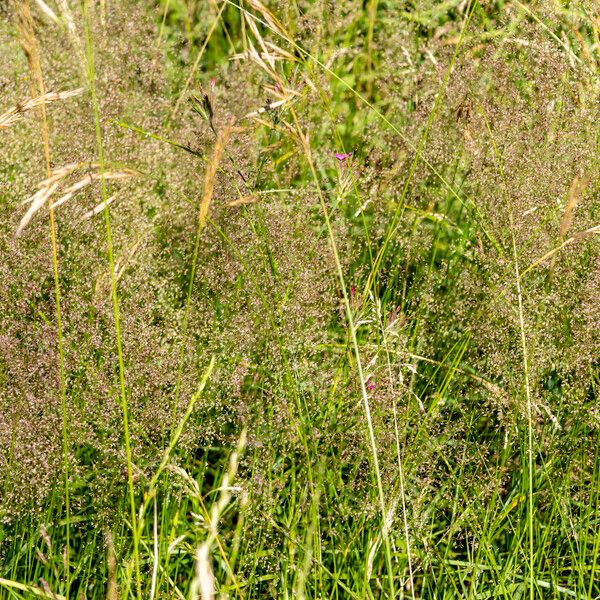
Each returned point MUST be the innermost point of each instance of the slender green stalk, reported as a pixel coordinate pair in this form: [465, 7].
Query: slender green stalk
[525, 361]
[63, 400]
[178, 431]
[372, 16]
[529, 414]
[115, 301]
[31, 48]
[399, 454]
[207, 195]
[361, 378]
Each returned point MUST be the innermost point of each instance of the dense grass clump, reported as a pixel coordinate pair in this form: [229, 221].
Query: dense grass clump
[299, 299]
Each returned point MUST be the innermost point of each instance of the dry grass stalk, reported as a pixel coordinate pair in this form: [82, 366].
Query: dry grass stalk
[271, 20]
[244, 200]
[48, 12]
[17, 112]
[266, 59]
[576, 192]
[59, 173]
[37, 201]
[88, 180]
[36, 81]
[204, 573]
[98, 209]
[48, 187]
[271, 52]
[575, 237]
[47, 589]
[203, 586]
[269, 56]
[111, 564]
[211, 171]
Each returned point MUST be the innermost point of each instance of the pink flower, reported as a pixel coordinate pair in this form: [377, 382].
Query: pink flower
[213, 83]
[342, 157]
[369, 385]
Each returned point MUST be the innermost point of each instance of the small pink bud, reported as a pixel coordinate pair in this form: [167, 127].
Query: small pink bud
[342, 157]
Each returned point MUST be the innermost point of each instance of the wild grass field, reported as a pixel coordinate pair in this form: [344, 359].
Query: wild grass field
[299, 299]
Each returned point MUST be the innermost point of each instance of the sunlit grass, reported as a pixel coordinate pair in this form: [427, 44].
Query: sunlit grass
[334, 334]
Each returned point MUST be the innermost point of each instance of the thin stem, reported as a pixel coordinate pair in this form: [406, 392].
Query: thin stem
[361, 378]
[400, 465]
[115, 301]
[372, 16]
[529, 415]
[207, 195]
[525, 361]
[31, 48]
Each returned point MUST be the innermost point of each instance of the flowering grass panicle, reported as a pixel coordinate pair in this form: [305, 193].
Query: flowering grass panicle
[360, 236]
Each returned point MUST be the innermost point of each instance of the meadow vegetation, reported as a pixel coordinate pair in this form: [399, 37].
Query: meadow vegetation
[299, 299]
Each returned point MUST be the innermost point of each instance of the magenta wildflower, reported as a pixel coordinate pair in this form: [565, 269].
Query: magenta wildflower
[369, 385]
[342, 157]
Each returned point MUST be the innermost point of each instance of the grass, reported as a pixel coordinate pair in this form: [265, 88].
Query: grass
[91, 76]
[31, 49]
[267, 371]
